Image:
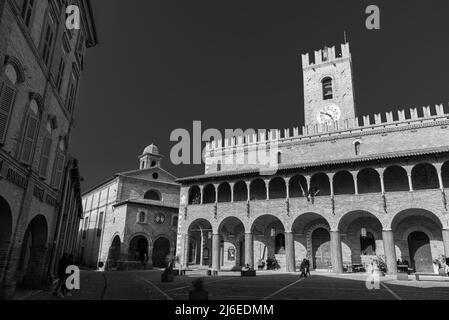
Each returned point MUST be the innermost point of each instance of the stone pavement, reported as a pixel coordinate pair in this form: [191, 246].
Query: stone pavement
[146, 285]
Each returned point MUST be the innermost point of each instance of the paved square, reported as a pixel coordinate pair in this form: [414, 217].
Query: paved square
[146, 285]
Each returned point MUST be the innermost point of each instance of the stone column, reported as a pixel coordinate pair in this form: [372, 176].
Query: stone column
[249, 249]
[287, 189]
[336, 254]
[354, 177]
[267, 187]
[382, 184]
[390, 251]
[331, 182]
[248, 190]
[440, 176]
[410, 181]
[215, 252]
[202, 248]
[290, 252]
[185, 259]
[231, 185]
[446, 242]
[202, 194]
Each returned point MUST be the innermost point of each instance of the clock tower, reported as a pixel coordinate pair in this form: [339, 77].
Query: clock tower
[328, 86]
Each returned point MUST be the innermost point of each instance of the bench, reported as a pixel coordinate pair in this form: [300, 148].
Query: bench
[248, 273]
[419, 276]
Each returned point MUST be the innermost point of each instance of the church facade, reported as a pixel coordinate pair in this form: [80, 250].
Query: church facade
[130, 218]
[347, 190]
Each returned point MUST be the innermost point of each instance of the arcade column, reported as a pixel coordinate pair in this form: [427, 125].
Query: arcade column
[390, 251]
[249, 249]
[446, 242]
[290, 252]
[337, 259]
[216, 252]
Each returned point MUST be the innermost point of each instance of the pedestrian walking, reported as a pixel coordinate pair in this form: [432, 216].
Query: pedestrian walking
[60, 288]
[307, 262]
[302, 268]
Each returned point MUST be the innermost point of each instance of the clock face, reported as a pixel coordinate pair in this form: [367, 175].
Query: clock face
[329, 114]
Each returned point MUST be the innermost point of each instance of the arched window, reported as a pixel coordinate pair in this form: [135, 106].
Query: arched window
[357, 148]
[327, 88]
[46, 148]
[7, 98]
[218, 166]
[142, 216]
[152, 195]
[100, 224]
[30, 132]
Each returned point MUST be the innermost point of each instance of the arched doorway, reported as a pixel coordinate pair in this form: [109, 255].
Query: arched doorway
[268, 230]
[114, 252]
[199, 246]
[232, 236]
[5, 232]
[367, 244]
[138, 249]
[279, 244]
[161, 250]
[420, 252]
[321, 249]
[32, 257]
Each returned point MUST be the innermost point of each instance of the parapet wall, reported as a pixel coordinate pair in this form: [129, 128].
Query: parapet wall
[325, 56]
[348, 126]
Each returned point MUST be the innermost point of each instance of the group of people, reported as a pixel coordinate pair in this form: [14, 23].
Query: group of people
[271, 264]
[60, 289]
[305, 268]
[441, 267]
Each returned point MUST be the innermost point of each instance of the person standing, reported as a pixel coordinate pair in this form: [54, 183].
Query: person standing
[302, 268]
[307, 262]
[60, 288]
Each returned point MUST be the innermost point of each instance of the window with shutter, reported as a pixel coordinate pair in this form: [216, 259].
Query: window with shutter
[58, 171]
[7, 95]
[29, 138]
[45, 158]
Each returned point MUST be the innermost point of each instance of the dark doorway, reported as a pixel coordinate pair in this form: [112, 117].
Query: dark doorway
[138, 249]
[279, 247]
[161, 250]
[321, 248]
[5, 232]
[367, 245]
[33, 252]
[114, 253]
[420, 253]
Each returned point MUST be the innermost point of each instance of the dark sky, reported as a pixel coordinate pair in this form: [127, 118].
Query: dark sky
[162, 64]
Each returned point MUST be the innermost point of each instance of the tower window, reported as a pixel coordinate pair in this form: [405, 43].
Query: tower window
[279, 158]
[327, 88]
[218, 166]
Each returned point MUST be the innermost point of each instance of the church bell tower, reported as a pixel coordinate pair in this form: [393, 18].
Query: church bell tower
[328, 86]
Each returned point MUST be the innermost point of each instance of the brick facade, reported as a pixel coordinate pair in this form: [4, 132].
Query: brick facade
[386, 175]
[120, 201]
[35, 128]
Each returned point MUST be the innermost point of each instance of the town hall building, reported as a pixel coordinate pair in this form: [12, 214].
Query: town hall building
[131, 218]
[347, 190]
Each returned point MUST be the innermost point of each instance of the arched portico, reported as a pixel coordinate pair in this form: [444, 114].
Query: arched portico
[361, 237]
[200, 243]
[232, 243]
[420, 245]
[311, 232]
[32, 257]
[264, 231]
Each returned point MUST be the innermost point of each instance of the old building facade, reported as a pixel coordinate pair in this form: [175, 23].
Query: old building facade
[40, 68]
[345, 191]
[133, 216]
